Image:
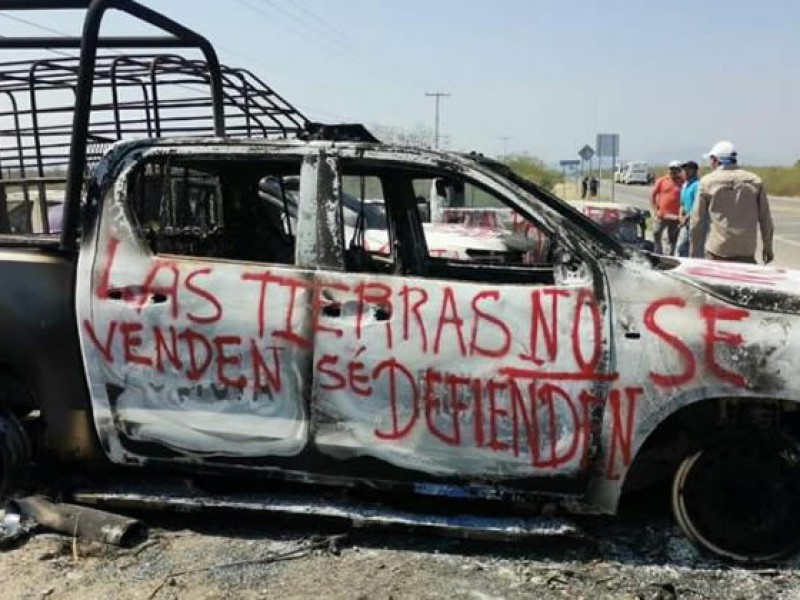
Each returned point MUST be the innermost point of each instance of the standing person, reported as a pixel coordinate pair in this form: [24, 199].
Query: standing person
[733, 203]
[688, 195]
[584, 186]
[593, 185]
[666, 201]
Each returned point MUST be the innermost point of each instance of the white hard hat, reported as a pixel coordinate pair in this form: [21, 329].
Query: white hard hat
[675, 164]
[722, 149]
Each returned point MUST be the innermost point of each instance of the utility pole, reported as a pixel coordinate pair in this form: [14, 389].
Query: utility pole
[437, 96]
[504, 139]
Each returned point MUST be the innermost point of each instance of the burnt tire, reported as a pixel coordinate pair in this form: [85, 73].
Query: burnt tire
[739, 498]
[15, 455]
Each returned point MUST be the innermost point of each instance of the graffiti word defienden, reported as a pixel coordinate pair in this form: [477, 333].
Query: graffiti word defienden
[548, 423]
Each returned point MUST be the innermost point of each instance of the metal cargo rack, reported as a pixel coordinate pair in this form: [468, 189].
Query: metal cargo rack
[59, 114]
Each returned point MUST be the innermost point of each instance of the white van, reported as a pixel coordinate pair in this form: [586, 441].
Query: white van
[636, 172]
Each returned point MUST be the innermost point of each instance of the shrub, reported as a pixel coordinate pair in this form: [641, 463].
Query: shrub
[534, 169]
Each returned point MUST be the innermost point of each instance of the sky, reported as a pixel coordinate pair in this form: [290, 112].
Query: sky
[671, 78]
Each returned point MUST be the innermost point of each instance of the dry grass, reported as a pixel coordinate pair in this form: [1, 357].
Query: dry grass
[779, 181]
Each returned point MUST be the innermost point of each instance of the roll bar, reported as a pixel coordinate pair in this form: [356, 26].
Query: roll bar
[177, 36]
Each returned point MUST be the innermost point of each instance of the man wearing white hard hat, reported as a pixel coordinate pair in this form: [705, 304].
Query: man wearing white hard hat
[733, 204]
[665, 198]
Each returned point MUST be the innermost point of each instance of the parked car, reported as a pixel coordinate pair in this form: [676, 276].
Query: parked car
[636, 173]
[187, 322]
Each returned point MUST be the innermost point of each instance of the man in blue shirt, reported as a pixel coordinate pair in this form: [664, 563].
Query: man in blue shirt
[688, 196]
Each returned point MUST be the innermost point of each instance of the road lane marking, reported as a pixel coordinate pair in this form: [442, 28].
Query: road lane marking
[783, 240]
[792, 210]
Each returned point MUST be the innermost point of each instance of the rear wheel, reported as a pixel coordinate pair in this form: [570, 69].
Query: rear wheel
[15, 455]
[740, 498]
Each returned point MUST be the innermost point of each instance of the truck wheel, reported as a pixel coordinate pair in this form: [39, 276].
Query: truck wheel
[15, 455]
[740, 498]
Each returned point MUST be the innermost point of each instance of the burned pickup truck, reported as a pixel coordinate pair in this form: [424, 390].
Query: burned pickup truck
[208, 309]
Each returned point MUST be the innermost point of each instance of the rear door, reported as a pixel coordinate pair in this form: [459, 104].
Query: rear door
[194, 318]
[473, 359]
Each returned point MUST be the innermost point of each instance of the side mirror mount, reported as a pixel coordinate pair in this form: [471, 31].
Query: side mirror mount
[438, 200]
[424, 209]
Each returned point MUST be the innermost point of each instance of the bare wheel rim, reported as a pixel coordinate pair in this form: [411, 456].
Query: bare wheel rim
[3, 474]
[14, 454]
[740, 499]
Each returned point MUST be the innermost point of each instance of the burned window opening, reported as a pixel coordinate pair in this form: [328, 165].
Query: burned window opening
[370, 240]
[461, 229]
[231, 210]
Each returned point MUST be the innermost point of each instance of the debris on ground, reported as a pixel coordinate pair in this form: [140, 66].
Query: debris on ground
[80, 522]
[14, 528]
[227, 557]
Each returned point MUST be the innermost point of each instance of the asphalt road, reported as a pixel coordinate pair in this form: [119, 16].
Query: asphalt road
[785, 216]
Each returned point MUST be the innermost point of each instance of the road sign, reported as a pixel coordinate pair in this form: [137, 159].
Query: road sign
[608, 144]
[569, 163]
[586, 153]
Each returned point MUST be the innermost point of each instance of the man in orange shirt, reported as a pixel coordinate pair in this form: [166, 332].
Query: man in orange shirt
[666, 201]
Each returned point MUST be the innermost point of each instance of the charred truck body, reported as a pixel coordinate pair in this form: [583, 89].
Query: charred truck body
[242, 292]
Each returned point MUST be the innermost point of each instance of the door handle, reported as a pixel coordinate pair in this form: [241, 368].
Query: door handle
[332, 309]
[383, 312]
[130, 294]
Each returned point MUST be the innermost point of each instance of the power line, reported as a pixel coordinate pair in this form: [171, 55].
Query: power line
[304, 107]
[252, 59]
[301, 25]
[185, 86]
[368, 55]
[258, 9]
[437, 96]
[33, 24]
[321, 20]
[261, 12]
[324, 28]
[41, 28]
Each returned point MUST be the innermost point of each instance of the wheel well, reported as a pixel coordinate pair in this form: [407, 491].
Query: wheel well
[15, 395]
[687, 429]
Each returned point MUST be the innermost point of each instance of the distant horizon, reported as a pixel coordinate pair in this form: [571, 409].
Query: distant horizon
[546, 76]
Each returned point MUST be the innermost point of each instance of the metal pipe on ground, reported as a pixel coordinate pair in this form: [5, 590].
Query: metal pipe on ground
[85, 523]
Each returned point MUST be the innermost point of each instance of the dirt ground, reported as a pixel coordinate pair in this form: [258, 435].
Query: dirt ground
[203, 557]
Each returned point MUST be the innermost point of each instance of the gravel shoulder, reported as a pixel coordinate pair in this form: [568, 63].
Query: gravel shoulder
[231, 556]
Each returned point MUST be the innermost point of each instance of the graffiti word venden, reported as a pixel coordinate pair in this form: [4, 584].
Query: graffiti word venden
[228, 360]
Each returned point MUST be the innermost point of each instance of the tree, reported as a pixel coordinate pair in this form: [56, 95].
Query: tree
[418, 135]
[534, 169]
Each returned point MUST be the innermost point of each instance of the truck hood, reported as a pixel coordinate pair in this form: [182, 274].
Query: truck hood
[749, 286]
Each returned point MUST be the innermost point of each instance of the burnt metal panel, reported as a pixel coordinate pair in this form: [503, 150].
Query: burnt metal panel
[39, 345]
[357, 514]
[320, 233]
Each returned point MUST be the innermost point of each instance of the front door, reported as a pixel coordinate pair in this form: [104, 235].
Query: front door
[484, 365]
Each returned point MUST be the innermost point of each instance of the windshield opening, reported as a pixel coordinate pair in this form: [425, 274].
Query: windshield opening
[563, 208]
